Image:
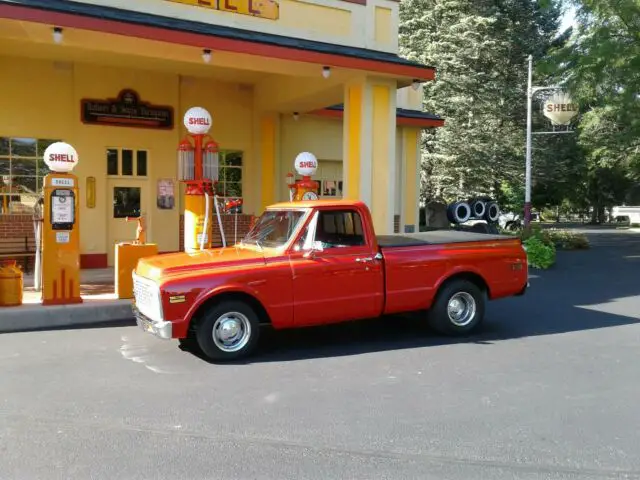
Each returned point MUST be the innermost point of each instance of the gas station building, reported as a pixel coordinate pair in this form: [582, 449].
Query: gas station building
[114, 79]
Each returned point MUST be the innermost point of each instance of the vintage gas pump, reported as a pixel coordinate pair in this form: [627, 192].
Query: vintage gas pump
[61, 228]
[198, 170]
[306, 165]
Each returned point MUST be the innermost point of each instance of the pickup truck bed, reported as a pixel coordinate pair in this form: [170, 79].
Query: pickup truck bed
[435, 237]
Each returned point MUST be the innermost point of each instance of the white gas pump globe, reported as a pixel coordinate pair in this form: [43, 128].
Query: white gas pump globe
[306, 164]
[560, 109]
[197, 121]
[60, 157]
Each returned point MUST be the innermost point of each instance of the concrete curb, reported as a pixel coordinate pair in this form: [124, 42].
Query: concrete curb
[90, 313]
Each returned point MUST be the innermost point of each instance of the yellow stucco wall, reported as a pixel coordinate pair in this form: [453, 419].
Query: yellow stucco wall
[320, 136]
[41, 99]
[373, 26]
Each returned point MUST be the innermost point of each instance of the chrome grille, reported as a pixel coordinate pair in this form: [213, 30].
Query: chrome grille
[142, 293]
[146, 297]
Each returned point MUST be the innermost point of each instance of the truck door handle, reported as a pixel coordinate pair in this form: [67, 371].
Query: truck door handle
[364, 259]
[378, 256]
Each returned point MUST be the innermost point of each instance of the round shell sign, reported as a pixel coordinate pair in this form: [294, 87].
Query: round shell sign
[559, 109]
[60, 157]
[197, 121]
[306, 164]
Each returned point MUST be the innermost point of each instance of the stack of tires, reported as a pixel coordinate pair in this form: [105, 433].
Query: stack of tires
[473, 209]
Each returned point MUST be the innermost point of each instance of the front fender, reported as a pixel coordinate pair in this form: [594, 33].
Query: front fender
[208, 295]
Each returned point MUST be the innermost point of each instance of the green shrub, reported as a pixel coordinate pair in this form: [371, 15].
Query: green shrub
[539, 253]
[566, 239]
[557, 238]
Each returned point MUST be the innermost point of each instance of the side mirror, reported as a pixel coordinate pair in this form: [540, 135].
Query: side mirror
[315, 247]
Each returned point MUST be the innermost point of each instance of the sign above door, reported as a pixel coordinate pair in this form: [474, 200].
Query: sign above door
[268, 9]
[126, 110]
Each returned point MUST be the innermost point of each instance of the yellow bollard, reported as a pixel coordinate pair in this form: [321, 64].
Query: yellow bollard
[11, 284]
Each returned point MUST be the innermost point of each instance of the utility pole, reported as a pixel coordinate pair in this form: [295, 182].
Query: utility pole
[527, 175]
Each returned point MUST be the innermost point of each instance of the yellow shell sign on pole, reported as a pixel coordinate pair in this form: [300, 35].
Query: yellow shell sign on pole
[560, 109]
[268, 9]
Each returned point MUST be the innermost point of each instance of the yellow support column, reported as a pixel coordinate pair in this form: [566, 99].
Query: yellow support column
[369, 148]
[353, 120]
[411, 159]
[383, 148]
[269, 146]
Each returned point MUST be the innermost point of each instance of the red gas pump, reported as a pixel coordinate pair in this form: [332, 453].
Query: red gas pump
[306, 165]
[198, 170]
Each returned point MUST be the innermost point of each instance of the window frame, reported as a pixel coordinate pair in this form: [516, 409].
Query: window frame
[222, 183]
[134, 163]
[41, 170]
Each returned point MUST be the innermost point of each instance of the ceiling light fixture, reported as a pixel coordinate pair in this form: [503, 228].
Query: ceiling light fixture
[57, 34]
[206, 55]
[296, 116]
[326, 72]
[416, 84]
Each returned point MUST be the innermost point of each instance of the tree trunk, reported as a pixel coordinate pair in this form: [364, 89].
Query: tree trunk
[601, 215]
[595, 208]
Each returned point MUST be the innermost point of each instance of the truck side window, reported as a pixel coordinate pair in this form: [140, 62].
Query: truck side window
[340, 228]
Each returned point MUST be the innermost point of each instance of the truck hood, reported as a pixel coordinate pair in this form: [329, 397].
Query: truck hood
[161, 266]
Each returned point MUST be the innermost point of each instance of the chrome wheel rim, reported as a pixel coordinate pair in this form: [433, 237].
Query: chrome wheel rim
[461, 309]
[231, 332]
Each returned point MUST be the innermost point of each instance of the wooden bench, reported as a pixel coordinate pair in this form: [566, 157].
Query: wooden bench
[21, 249]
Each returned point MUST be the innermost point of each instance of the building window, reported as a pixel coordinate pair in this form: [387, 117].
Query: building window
[330, 188]
[230, 176]
[126, 202]
[22, 170]
[329, 178]
[229, 179]
[126, 162]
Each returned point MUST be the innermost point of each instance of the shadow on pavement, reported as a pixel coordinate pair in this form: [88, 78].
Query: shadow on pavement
[553, 305]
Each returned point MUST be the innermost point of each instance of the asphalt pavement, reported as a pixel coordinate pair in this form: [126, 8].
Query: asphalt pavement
[549, 390]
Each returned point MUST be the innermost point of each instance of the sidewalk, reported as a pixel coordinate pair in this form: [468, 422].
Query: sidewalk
[100, 306]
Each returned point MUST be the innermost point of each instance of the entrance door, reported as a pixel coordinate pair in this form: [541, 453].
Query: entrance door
[128, 199]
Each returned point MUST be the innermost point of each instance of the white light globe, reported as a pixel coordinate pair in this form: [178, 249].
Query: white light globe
[60, 157]
[197, 121]
[306, 164]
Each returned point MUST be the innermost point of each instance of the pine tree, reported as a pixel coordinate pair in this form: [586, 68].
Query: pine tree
[480, 51]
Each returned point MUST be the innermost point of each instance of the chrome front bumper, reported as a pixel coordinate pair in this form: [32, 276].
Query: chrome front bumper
[159, 328]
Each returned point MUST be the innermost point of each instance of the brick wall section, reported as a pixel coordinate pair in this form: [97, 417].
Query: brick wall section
[228, 223]
[18, 227]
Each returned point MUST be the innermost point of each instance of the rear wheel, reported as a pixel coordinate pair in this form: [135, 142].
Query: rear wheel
[458, 309]
[228, 331]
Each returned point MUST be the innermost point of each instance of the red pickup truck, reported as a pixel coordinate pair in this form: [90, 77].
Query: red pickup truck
[320, 262]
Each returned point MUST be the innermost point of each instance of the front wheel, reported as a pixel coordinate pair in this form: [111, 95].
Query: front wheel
[458, 308]
[228, 331]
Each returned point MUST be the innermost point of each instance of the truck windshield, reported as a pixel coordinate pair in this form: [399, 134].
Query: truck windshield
[274, 228]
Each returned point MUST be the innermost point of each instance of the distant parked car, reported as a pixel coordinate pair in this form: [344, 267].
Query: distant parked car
[510, 221]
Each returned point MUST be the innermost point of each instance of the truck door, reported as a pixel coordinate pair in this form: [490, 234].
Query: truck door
[342, 281]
